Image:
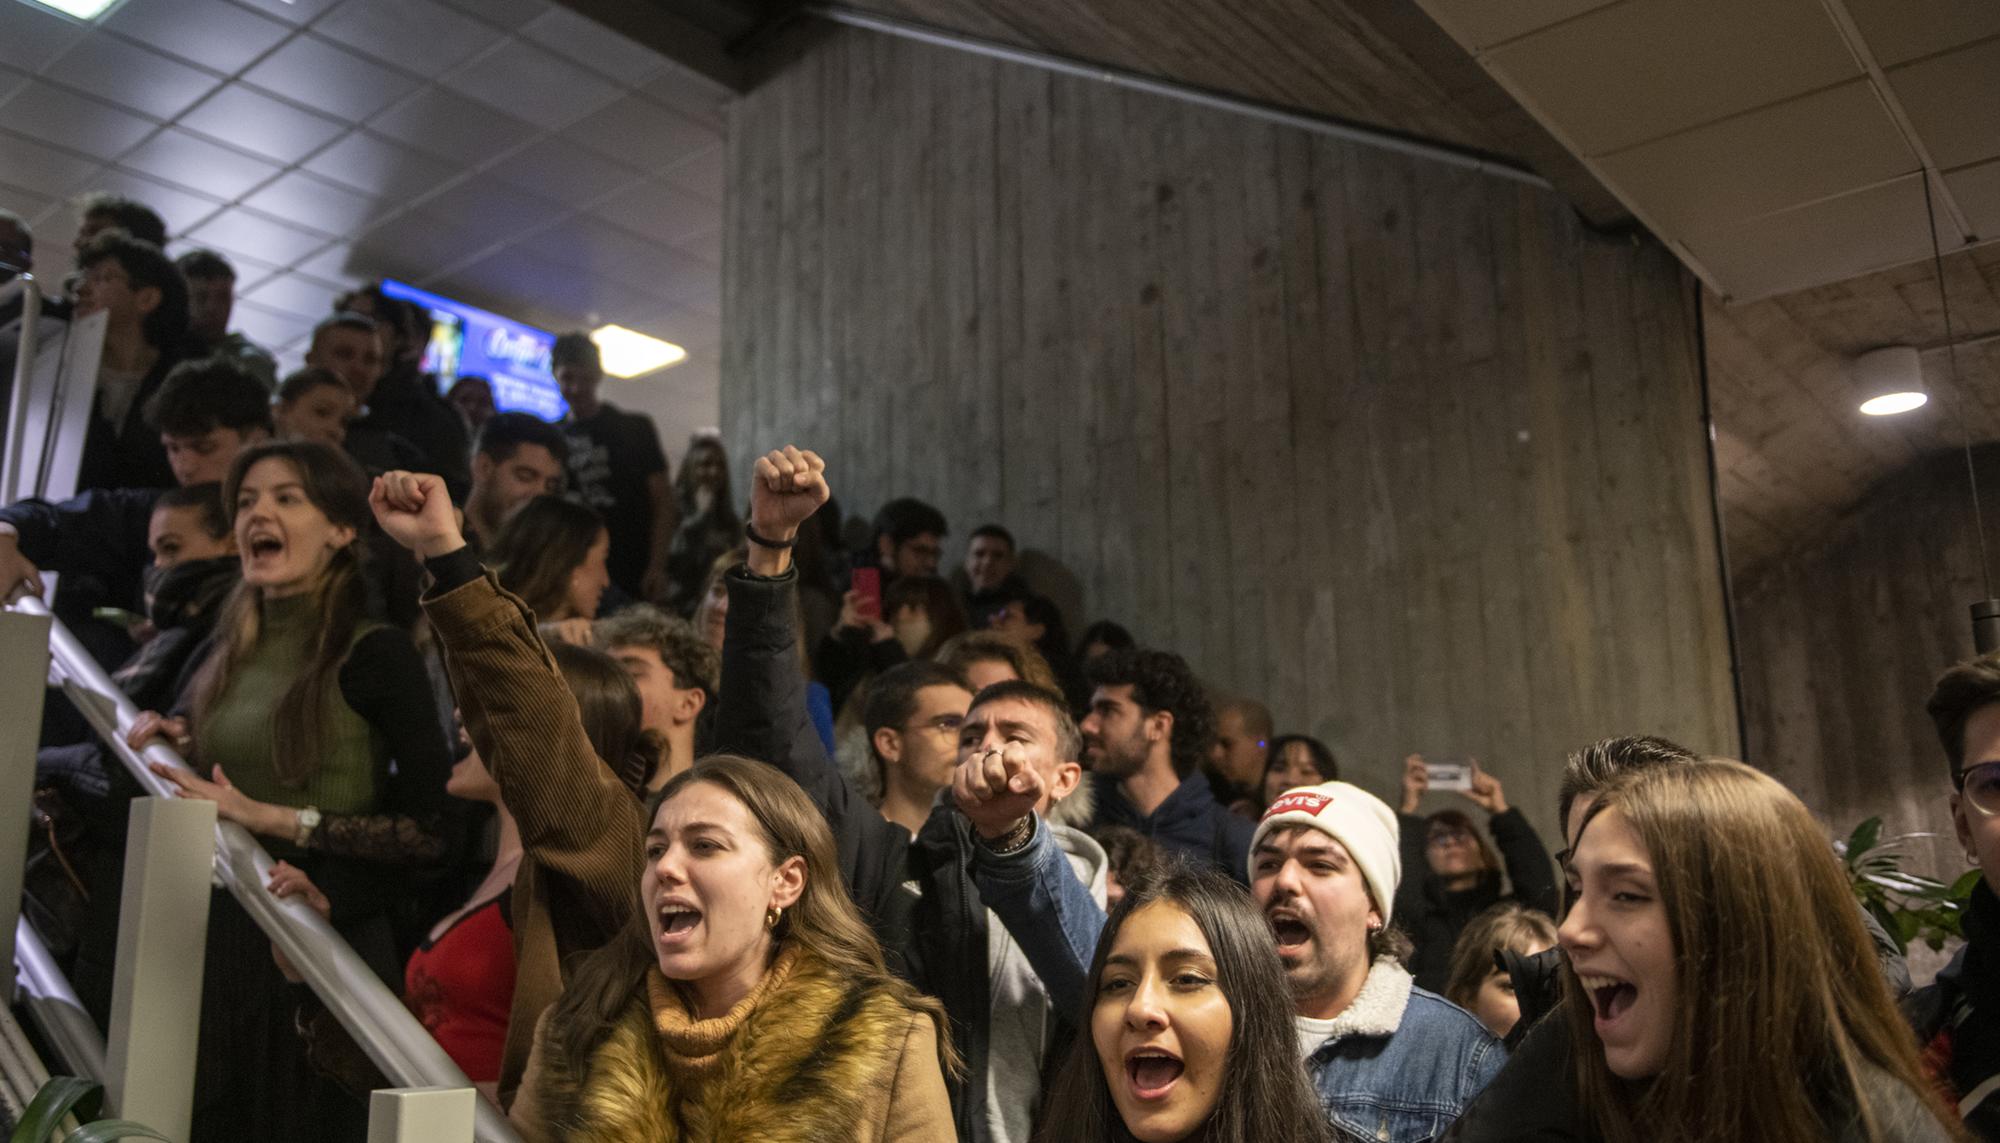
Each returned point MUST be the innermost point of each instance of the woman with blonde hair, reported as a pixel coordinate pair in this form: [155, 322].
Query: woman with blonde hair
[1720, 985]
[746, 999]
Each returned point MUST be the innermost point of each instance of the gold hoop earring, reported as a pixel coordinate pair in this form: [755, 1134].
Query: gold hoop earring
[771, 916]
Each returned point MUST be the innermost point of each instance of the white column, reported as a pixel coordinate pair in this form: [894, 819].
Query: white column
[162, 937]
[421, 1115]
[24, 679]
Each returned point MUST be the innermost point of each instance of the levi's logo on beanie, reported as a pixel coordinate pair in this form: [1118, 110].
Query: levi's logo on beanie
[1309, 802]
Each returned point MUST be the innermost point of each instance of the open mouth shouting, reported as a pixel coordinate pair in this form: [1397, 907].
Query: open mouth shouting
[1152, 1072]
[1292, 933]
[263, 547]
[675, 922]
[1612, 999]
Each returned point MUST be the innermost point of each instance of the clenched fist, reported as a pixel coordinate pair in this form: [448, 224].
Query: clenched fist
[416, 511]
[995, 789]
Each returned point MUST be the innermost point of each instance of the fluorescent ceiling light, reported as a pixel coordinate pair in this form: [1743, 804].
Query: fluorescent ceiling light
[628, 353]
[1889, 404]
[81, 9]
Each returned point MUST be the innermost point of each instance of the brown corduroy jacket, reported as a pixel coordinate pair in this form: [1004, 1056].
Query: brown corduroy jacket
[581, 828]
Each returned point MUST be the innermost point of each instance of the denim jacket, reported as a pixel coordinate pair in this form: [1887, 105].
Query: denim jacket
[1400, 1065]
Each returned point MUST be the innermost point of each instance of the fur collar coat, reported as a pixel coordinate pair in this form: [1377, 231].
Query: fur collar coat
[807, 1058]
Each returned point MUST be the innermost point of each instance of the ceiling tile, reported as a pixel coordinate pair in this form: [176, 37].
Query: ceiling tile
[659, 211]
[555, 168]
[643, 133]
[316, 204]
[211, 33]
[31, 36]
[1954, 102]
[413, 247]
[131, 76]
[418, 35]
[1804, 149]
[597, 47]
[337, 263]
[692, 94]
[180, 207]
[378, 167]
[532, 84]
[260, 237]
[292, 11]
[707, 247]
[188, 161]
[662, 272]
[32, 166]
[56, 115]
[1812, 245]
[267, 327]
[26, 204]
[505, 13]
[492, 211]
[701, 173]
[1977, 190]
[309, 298]
[521, 274]
[1635, 71]
[451, 126]
[11, 81]
[1897, 34]
[335, 80]
[1482, 23]
[586, 243]
[256, 122]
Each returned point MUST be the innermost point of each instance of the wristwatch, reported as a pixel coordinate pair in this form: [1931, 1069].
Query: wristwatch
[308, 822]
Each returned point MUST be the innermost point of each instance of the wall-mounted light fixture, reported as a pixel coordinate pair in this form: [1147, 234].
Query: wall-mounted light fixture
[1890, 380]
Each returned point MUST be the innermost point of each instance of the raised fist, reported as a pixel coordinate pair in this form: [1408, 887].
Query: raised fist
[416, 511]
[995, 789]
[788, 486]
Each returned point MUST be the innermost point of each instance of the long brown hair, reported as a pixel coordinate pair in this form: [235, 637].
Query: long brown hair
[539, 546]
[1780, 1006]
[1508, 926]
[1265, 1097]
[335, 485]
[613, 714]
[823, 923]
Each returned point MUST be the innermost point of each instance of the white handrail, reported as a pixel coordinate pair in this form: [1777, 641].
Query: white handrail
[12, 460]
[54, 1007]
[377, 1020]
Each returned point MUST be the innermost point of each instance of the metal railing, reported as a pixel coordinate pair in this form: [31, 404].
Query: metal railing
[379, 1023]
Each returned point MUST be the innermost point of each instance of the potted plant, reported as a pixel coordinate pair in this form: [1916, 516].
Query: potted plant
[63, 1096]
[1911, 907]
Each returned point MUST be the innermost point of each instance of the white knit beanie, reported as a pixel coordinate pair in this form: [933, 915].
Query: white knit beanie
[1355, 818]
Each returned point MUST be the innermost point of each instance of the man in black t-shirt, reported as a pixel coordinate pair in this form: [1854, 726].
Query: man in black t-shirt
[616, 466]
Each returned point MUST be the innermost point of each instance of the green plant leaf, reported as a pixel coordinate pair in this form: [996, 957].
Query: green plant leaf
[1864, 838]
[1961, 889]
[57, 1098]
[107, 1129]
[1891, 925]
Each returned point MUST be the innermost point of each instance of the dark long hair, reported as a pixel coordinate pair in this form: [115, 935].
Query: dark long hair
[824, 923]
[612, 713]
[336, 486]
[1265, 1096]
[538, 548]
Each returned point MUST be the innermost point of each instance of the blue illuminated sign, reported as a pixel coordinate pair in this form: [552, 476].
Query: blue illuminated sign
[468, 340]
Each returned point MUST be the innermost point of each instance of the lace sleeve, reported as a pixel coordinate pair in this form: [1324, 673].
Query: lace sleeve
[392, 838]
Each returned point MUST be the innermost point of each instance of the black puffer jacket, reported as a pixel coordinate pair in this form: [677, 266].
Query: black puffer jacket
[1957, 1018]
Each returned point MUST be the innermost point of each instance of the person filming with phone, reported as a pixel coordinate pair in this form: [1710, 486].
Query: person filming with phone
[1455, 872]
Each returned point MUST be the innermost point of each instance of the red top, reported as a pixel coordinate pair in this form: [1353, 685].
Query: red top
[461, 986]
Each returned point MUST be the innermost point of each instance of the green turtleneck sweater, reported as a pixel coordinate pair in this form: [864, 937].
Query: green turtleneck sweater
[236, 732]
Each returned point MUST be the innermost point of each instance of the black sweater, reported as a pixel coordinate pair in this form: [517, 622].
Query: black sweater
[1433, 916]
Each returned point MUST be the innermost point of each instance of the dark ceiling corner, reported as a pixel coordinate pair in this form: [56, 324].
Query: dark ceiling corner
[735, 43]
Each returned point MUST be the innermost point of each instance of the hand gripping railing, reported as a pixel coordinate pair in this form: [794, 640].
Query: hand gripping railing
[372, 1014]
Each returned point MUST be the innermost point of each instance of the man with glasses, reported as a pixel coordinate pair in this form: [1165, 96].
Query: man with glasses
[909, 538]
[912, 719]
[1958, 1017]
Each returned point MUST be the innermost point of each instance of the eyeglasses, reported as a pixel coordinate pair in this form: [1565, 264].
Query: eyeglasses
[1448, 837]
[1981, 787]
[942, 724]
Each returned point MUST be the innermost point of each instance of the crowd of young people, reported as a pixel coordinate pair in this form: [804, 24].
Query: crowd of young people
[737, 846]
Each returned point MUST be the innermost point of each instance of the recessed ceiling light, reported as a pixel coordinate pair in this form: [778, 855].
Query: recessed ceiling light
[629, 353]
[1889, 404]
[81, 9]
